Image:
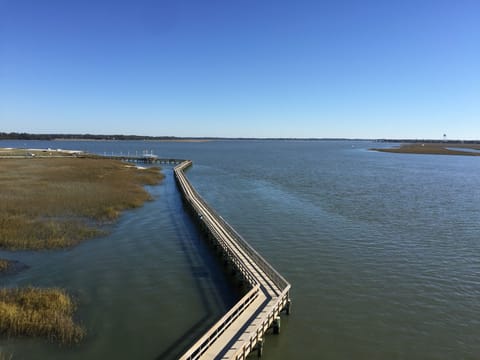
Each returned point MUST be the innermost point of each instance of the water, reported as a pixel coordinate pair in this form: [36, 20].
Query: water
[381, 250]
[464, 149]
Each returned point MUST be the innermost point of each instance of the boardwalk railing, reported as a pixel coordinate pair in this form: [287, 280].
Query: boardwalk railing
[145, 158]
[259, 333]
[249, 319]
[215, 331]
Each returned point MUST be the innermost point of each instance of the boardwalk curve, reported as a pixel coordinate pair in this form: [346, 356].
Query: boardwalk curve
[242, 329]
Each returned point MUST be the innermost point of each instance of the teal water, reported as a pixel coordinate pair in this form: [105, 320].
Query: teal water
[382, 251]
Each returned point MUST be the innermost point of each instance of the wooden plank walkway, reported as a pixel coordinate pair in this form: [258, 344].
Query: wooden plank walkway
[242, 328]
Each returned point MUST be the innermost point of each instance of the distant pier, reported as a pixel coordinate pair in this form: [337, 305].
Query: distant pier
[144, 158]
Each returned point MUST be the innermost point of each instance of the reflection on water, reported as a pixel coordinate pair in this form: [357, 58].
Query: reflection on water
[381, 250]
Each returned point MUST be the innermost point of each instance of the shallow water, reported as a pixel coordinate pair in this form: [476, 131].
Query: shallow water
[382, 251]
[463, 149]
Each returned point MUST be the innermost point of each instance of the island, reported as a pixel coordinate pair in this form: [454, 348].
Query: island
[435, 148]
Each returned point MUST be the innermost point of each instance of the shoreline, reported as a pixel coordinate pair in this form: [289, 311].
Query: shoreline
[54, 202]
[57, 201]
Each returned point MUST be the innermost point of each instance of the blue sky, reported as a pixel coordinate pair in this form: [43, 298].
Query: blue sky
[250, 68]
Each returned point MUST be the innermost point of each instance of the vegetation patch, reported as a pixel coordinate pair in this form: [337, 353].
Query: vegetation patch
[5, 356]
[35, 312]
[4, 265]
[10, 267]
[434, 149]
[51, 201]
[48, 203]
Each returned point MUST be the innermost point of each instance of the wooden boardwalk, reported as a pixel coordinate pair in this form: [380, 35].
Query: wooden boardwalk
[242, 329]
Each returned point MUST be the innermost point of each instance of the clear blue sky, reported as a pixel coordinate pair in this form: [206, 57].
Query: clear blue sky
[259, 68]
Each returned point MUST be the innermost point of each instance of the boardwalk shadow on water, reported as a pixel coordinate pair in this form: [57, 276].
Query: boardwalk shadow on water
[212, 284]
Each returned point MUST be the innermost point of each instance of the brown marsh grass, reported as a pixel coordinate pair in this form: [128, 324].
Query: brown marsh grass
[35, 312]
[57, 202]
[433, 149]
[4, 264]
[5, 356]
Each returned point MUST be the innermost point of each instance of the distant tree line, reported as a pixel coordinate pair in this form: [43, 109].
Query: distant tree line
[50, 137]
[27, 136]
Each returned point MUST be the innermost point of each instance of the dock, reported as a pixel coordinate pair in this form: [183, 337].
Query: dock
[242, 329]
[144, 159]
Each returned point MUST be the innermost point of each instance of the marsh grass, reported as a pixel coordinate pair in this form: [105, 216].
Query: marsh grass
[4, 265]
[433, 149]
[57, 202]
[5, 356]
[34, 312]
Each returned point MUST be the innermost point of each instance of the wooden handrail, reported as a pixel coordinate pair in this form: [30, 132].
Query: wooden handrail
[268, 318]
[220, 326]
[264, 278]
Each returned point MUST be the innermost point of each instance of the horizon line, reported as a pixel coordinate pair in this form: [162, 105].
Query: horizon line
[90, 136]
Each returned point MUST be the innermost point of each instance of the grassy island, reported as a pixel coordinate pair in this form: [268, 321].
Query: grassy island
[36, 312]
[434, 149]
[57, 202]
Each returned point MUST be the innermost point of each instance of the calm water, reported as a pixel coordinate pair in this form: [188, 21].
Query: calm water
[382, 250]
